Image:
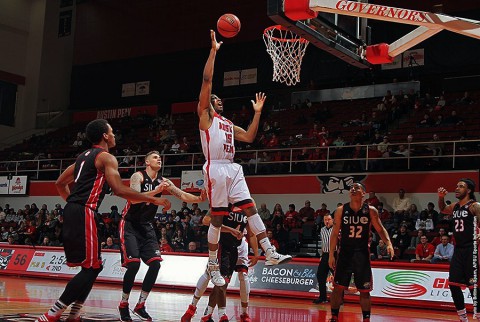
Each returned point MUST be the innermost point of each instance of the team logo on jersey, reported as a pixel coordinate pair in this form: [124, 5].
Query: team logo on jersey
[364, 220]
[339, 184]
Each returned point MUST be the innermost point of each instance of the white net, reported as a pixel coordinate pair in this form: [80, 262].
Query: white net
[286, 50]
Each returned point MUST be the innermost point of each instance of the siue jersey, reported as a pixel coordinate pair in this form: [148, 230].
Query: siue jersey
[218, 140]
[90, 183]
[233, 220]
[355, 227]
[143, 212]
[463, 228]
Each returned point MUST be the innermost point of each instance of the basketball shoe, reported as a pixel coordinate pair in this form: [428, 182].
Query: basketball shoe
[214, 271]
[274, 258]
[124, 312]
[47, 318]
[224, 318]
[187, 317]
[140, 311]
[207, 318]
[245, 318]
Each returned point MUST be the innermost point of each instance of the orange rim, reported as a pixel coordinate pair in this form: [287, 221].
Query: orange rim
[280, 27]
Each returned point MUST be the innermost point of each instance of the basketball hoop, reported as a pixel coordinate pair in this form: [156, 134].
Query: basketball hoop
[286, 50]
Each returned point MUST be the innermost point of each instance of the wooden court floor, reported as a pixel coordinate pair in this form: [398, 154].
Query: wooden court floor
[35, 296]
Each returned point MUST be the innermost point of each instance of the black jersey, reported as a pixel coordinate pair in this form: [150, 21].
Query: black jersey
[463, 219]
[142, 212]
[355, 227]
[90, 183]
[233, 220]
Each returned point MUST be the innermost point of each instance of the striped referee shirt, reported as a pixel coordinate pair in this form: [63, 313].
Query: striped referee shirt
[325, 236]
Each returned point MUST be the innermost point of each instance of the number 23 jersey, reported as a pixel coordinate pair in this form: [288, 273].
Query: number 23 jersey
[355, 227]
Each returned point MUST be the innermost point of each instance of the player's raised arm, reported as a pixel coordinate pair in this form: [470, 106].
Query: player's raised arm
[204, 109]
[250, 134]
[444, 209]
[377, 224]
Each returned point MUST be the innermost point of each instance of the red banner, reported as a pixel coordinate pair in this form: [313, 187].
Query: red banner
[413, 182]
[115, 113]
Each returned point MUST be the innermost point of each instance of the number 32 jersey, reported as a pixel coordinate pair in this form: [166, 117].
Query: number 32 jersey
[355, 227]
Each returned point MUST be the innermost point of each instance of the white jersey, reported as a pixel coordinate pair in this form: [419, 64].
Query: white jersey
[218, 141]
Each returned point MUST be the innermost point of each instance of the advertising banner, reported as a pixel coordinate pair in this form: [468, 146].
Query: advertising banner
[16, 186]
[192, 181]
[115, 113]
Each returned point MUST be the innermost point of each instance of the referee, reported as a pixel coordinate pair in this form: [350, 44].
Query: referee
[323, 268]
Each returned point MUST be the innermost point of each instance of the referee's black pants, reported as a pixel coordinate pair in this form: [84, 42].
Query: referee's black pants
[322, 274]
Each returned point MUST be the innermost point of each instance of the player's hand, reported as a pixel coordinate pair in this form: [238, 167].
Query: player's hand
[259, 101]
[390, 251]
[203, 195]
[237, 233]
[163, 202]
[331, 261]
[164, 184]
[442, 192]
[215, 45]
[253, 261]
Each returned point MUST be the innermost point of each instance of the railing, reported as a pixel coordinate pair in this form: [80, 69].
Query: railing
[438, 155]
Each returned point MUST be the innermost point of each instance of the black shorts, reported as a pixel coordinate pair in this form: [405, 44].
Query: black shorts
[138, 241]
[461, 267]
[228, 256]
[80, 236]
[356, 262]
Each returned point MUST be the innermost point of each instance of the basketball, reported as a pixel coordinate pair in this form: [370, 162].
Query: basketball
[228, 25]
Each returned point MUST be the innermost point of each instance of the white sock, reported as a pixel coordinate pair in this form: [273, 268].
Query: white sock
[57, 309]
[222, 311]
[143, 297]
[266, 246]
[462, 314]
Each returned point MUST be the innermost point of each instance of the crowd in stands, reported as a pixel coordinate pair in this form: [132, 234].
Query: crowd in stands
[417, 235]
[386, 124]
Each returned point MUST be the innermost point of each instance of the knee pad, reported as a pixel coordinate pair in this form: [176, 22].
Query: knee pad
[213, 234]
[256, 224]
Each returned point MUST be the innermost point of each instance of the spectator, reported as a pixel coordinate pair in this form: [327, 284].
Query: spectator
[444, 251]
[427, 121]
[401, 240]
[175, 148]
[45, 241]
[278, 218]
[307, 213]
[192, 247]
[165, 246]
[281, 235]
[109, 244]
[178, 241]
[273, 241]
[382, 252]
[11, 240]
[197, 218]
[3, 234]
[292, 219]
[184, 146]
[385, 216]
[372, 199]
[453, 119]
[438, 239]
[264, 213]
[320, 213]
[423, 222]
[424, 250]
[401, 204]
[416, 239]
[432, 214]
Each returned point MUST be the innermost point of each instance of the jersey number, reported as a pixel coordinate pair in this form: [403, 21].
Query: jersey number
[79, 171]
[459, 225]
[355, 232]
